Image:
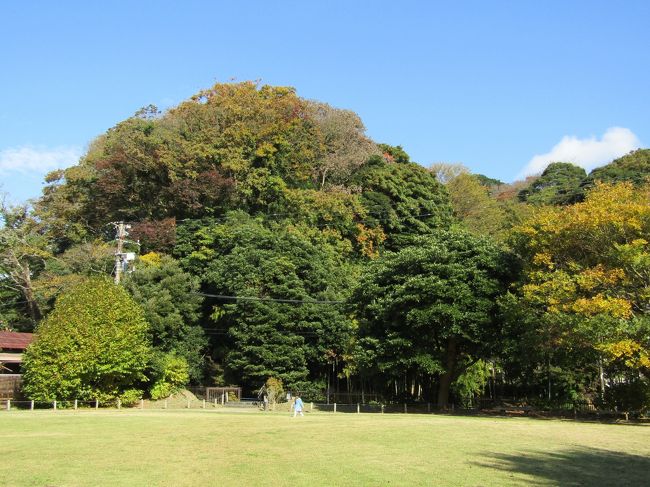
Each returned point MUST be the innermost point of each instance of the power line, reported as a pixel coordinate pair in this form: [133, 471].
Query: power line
[273, 300]
[279, 216]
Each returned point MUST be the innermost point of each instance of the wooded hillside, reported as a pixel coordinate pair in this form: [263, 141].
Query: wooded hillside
[275, 239]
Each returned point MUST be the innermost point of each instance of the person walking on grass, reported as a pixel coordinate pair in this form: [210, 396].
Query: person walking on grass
[297, 406]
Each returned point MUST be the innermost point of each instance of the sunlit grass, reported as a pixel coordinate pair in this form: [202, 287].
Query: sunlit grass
[195, 447]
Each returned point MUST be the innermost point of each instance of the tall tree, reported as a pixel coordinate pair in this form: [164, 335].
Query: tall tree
[428, 311]
[346, 146]
[172, 307]
[402, 197]
[633, 167]
[557, 185]
[257, 338]
[474, 207]
[23, 253]
[584, 291]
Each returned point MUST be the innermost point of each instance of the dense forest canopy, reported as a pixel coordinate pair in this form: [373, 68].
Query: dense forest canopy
[276, 240]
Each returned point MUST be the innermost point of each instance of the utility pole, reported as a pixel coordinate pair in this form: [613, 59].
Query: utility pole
[120, 256]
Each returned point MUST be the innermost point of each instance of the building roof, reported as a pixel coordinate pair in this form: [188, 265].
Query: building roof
[13, 340]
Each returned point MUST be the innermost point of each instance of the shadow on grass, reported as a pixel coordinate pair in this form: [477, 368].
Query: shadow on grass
[575, 467]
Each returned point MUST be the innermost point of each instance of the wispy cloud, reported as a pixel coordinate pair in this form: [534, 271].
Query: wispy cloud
[588, 153]
[30, 160]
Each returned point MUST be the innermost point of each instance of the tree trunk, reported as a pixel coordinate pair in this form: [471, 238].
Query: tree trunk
[601, 376]
[447, 378]
[21, 275]
[32, 305]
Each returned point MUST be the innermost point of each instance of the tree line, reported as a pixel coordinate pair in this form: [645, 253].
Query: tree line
[276, 240]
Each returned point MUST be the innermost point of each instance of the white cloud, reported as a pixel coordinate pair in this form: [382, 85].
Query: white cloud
[29, 160]
[587, 153]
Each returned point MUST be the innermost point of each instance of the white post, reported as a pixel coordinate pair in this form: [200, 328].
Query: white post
[55, 405]
[96, 403]
[358, 410]
[215, 402]
[311, 407]
[31, 405]
[382, 409]
[75, 404]
[165, 407]
[141, 403]
[8, 404]
[188, 404]
[119, 403]
[334, 407]
[203, 403]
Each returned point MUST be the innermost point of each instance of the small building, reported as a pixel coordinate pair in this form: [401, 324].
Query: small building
[12, 346]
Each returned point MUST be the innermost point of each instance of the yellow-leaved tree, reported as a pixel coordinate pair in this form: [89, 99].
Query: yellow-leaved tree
[580, 315]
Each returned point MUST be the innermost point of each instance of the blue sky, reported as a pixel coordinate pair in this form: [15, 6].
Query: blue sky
[502, 87]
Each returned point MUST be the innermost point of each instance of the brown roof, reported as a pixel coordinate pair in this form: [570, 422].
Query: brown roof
[12, 340]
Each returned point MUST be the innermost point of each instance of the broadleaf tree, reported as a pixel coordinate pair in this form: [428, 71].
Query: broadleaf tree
[428, 312]
[93, 345]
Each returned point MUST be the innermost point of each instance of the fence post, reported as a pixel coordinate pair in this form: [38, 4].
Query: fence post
[358, 410]
[165, 406]
[96, 403]
[334, 407]
[55, 405]
[311, 407]
[215, 402]
[203, 403]
[8, 404]
[119, 403]
[405, 411]
[75, 404]
[31, 405]
[382, 409]
[141, 403]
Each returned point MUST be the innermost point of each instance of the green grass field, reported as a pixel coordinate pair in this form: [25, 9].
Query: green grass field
[210, 448]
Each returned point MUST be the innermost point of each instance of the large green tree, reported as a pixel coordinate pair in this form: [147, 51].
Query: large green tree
[428, 312]
[401, 197]
[633, 167]
[260, 338]
[558, 185]
[93, 345]
[172, 307]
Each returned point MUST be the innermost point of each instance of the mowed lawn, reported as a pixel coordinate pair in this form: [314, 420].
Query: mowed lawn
[213, 448]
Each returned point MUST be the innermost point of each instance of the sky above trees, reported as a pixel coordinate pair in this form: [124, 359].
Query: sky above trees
[502, 87]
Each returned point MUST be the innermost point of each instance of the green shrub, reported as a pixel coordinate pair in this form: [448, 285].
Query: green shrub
[169, 374]
[130, 397]
[160, 390]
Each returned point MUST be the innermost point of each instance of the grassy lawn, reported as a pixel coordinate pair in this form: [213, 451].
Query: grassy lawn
[195, 447]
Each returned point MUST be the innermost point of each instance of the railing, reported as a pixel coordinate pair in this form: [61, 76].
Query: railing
[567, 410]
